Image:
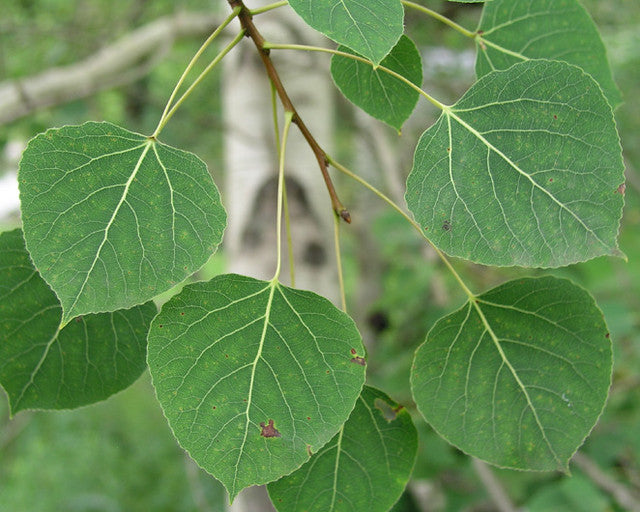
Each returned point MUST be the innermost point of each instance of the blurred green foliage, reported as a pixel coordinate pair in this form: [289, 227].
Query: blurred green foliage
[120, 455]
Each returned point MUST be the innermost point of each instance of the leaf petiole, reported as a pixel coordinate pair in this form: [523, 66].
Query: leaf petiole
[270, 7]
[197, 81]
[439, 17]
[288, 120]
[303, 47]
[336, 238]
[287, 219]
[416, 226]
[189, 67]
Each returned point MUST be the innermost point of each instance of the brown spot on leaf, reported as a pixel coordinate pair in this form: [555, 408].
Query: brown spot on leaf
[607, 335]
[309, 452]
[446, 225]
[550, 180]
[555, 116]
[269, 430]
[353, 351]
[621, 189]
[182, 313]
[388, 412]
[359, 360]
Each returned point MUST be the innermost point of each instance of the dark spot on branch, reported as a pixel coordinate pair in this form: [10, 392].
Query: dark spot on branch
[314, 254]
[359, 360]
[269, 430]
[379, 321]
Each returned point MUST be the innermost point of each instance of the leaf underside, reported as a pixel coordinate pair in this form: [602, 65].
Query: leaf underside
[543, 29]
[523, 170]
[90, 359]
[523, 389]
[113, 218]
[253, 375]
[370, 28]
[377, 93]
[366, 466]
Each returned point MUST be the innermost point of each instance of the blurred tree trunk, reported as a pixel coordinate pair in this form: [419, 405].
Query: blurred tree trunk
[252, 165]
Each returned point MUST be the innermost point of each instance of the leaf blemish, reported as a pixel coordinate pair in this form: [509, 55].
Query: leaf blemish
[269, 430]
[353, 351]
[388, 412]
[621, 189]
[359, 360]
[446, 225]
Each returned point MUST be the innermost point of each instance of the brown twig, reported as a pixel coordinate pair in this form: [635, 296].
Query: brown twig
[246, 20]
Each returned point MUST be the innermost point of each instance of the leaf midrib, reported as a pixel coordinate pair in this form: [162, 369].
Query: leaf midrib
[516, 377]
[450, 113]
[254, 365]
[67, 312]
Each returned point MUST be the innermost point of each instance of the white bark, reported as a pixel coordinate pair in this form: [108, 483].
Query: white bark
[252, 164]
[252, 161]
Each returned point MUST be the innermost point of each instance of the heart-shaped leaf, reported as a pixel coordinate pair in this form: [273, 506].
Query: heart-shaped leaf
[42, 367]
[519, 376]
[369, 28]
[113, 218]
[524, 170]
[511, 32]
[378, 93]
[366, 466]
[254, 376]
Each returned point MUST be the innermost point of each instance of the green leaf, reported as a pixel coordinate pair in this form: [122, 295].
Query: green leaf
[41, 367]
[543, 29]
[365, 467]
[519, 376]
[113, 218]
[370, 28]
[253, 376]
[523, 170]
[379, 94]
